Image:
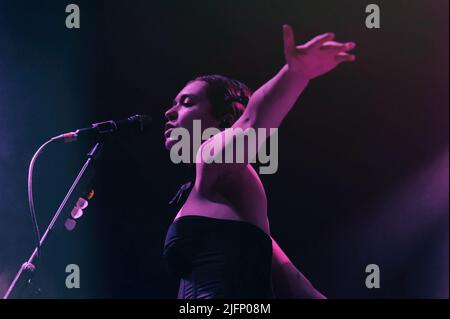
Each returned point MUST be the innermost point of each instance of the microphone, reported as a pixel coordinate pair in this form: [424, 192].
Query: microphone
[133, 124]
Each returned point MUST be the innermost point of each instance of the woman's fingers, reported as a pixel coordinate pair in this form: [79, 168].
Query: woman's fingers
[345, 57]
[337, 46]
[289, 41]
[317, 41]
[322, 42]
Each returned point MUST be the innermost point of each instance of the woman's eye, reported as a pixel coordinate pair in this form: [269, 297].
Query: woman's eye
[186, 102]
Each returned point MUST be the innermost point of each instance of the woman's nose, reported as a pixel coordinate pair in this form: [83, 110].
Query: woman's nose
[171, 114]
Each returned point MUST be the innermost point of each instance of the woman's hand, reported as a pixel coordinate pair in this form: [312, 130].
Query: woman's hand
[316, 57]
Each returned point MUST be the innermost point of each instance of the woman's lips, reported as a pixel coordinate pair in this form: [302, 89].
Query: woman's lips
[168, 129]
[167, 132]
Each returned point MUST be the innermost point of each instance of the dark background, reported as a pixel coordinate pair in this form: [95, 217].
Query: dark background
[363, 156]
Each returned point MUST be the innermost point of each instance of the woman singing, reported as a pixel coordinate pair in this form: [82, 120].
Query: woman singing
[219, 244]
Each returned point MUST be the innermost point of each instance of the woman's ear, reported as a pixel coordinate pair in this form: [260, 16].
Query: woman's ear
[227, 121]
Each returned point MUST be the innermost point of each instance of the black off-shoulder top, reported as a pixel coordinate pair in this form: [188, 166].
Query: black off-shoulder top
[219, 259]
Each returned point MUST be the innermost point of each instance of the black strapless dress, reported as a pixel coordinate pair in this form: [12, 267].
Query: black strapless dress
[216, 258]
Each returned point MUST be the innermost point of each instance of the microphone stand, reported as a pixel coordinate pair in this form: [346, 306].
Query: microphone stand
[25, 274]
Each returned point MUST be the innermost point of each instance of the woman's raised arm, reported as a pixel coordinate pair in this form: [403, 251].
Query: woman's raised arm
[270, 104]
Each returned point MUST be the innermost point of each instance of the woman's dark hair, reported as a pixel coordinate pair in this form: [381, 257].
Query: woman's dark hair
[226, 95]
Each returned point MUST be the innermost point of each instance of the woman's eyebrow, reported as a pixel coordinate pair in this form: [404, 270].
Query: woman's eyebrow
[183, 97]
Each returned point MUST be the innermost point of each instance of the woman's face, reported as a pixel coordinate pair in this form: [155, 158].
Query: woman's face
[190, 104]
